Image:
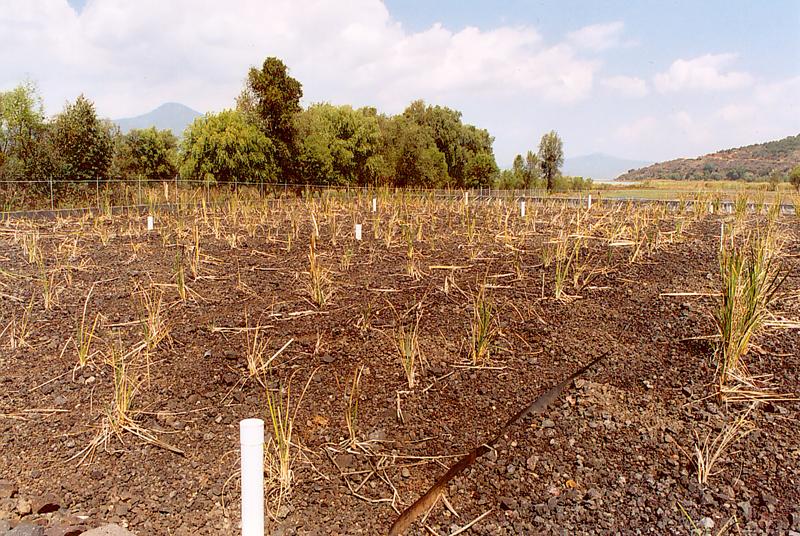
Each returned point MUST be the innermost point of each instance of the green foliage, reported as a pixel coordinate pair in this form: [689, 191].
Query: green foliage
[271, 100]
[266, 137]
[339, 145]
[24, 149]
[507, 180]
[551, 155]
[82, 143]
[794, 176]
[412, 156]
[526, 171]
[750, 163]
[147, 154]
[225, 147]
[564, 183]
[467, 150]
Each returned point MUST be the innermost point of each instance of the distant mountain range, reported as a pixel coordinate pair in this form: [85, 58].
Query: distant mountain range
[170, 116]
[599, 166]
[752, 162]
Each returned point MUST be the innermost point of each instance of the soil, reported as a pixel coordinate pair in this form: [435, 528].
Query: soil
[612, 455]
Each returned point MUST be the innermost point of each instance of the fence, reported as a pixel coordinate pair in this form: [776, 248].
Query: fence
[65, 197]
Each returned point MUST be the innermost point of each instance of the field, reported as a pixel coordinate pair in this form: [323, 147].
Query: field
[129, 357]
[727, 191]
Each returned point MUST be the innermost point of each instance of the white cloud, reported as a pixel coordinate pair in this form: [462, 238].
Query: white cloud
[735, 113]
[627, 86]
[704, 73]
[598, 37]
[131, 56]
[636, 130]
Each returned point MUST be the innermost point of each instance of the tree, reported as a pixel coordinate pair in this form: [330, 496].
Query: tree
[82, 143]
[459, 144]
[551, 157]
[225, 147]
[411, 154]
[774, 178]
[339, 145]
[794, 177]
[24, 150]
[271, 100]
[518, 169]
[531, 170]
[480, 171]
[148, 154]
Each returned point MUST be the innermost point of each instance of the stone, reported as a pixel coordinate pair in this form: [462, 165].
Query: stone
[707, 523]
[7, 489]
[24, 507]
[230, 378]
[746, 509]
[548, 423]
[26, 529]
[345, 460]
[109, 530]
[46, 503]
[65, 530]
[508, 503]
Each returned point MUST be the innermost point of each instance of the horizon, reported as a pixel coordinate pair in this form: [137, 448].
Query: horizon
[638, 82]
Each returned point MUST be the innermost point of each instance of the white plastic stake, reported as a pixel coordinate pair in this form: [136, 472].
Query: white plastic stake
[149, 223]
[251, 437]
[358, 232]
[374, 204]
[589, 202]
[466, 198]
[710, 208]
[522, 208]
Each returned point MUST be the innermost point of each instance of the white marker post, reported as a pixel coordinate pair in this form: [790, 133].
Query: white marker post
[150, 223]
[251, 436]
[374, 204]
[522, 208]
[589, 202]
[466, 198]
[358, 232]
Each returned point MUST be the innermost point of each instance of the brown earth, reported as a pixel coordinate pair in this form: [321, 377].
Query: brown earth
[611, 456]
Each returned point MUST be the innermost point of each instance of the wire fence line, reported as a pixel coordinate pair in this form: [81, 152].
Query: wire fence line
[120, 195]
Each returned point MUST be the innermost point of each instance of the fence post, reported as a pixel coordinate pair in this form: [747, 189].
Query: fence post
[251, 436]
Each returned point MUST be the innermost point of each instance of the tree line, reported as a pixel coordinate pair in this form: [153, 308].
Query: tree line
[266, 138]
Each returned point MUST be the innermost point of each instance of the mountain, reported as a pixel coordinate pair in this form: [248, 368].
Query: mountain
[752, 162]
[172, 115]
[599, 166]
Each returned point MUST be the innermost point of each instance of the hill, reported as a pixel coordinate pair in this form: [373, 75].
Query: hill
[599, 166]
[172, 116]
[752, 162]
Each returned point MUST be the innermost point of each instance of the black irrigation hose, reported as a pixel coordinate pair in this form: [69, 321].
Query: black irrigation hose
[539, 405]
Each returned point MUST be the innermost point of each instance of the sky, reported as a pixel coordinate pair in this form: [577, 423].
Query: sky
[647, 79]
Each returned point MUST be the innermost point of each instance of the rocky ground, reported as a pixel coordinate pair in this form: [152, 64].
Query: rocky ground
[613, 455]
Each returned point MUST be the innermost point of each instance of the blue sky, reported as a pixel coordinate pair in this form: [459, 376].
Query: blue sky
[648, 80]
